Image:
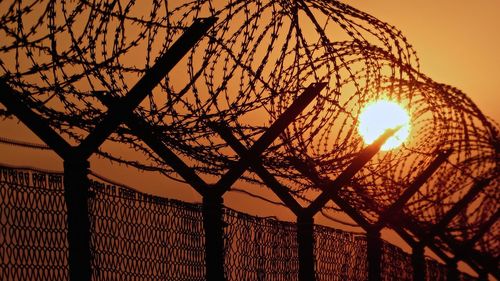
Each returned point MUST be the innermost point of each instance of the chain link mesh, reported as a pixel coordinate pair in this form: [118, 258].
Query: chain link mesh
[260, 248]
[136, 236]
[435, 270]
[33, 244]
[396, 264]
[340, 255]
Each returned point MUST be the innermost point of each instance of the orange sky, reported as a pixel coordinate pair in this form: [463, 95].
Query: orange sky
[457, 41]
[457, 44]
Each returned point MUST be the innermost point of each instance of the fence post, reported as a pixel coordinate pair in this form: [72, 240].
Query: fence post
[374, 254]
[214, 237]
[305, 239]
[483, 276]
[452, 270]
[76, 191]
[418, 262]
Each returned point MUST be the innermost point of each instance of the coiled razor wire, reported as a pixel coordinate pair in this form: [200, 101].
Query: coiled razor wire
[246, 71]
[137, 236]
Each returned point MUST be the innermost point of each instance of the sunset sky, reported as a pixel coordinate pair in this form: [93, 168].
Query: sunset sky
[457, 42]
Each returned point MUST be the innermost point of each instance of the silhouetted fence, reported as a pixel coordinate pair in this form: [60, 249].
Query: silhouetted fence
[135, 236]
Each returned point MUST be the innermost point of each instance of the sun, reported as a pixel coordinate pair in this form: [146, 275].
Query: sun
[378, 116]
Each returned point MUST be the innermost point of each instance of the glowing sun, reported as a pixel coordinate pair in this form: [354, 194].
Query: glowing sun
[378, 116]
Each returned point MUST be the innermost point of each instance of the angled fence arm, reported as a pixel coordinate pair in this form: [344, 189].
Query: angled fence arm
[459, 206]
[10, 98]
[397, 206]
[76, 184]
[335, 197]
[305, 224]
[427, 238]
[144, 131]
[477, 262]
[465, 251]
[418, 263]
[407, 237]
[462, 251]
[145, 85]
[401, 225]
[473, 260]
[330, 191]
[483, 229]
[418, 257]
[351, 212]
[125, 106]
[269, 136]
[344, 205]
[213, 198]
[483, 264]
[255, 164]
[357, 164]
[76, 164]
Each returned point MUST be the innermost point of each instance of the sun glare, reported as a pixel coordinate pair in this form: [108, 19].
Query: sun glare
[378, 116]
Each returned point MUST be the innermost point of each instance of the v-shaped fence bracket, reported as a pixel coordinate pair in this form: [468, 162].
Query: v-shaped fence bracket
[76, 164]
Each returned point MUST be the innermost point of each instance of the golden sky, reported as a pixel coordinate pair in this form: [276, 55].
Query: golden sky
[457, 41]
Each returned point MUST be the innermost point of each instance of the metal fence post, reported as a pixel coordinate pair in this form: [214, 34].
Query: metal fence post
[214, 237]
[76, 191]
[374, 254]
[452, 273]
[483, 276]
[305, 239]
[418, 262]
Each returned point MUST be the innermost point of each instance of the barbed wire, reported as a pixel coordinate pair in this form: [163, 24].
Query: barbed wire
[249, 68]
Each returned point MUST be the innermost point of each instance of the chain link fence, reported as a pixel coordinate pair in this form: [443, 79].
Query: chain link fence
[136, 236]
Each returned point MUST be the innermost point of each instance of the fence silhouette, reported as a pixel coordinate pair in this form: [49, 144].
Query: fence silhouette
[183, 85]
[136, 236]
